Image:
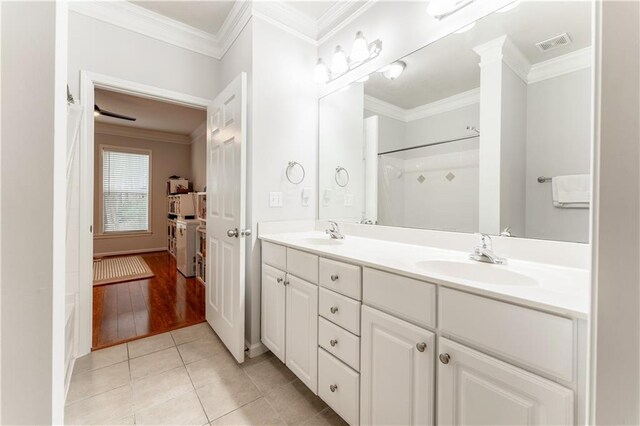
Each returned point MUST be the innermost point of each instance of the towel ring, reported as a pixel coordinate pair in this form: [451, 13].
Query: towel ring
[336, 177]
[290, 167]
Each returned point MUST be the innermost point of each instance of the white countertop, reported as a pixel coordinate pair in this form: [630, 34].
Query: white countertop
[561, 290]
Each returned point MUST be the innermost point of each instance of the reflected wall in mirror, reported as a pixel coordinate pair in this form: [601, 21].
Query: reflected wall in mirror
[456, 135]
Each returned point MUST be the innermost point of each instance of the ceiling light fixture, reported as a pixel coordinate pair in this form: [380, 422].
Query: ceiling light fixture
[509, 7]
[440, 9]
[394, 70]
[361, 53]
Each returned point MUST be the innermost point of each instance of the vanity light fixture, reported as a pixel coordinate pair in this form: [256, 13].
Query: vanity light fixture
[440, 9]
[361, 52]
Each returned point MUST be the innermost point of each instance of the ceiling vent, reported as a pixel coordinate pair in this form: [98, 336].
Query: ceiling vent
[554, 42]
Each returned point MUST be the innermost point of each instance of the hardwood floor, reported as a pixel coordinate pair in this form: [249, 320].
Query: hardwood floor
[134, 309]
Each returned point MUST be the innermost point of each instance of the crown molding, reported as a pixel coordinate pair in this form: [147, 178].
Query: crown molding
[451, 103]
[143, 21]
[339, 15]
[288, 16]
[574, 61]
[145, 134]
[503, 49]
[232, 26]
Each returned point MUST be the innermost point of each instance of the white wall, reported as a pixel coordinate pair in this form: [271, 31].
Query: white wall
[341, 135]
[558, 143]
[167, 159]
[616, 233]
[103, 48]
[32, 357]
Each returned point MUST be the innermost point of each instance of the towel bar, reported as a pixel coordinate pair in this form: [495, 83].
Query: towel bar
[543, 179]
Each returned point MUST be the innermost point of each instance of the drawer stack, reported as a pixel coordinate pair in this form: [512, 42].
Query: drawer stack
[339, 337]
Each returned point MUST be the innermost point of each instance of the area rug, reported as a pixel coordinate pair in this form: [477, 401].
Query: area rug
[118, 269]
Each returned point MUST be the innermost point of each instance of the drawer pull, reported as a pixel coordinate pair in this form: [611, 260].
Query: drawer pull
[333, 342]
[421, 346]
[333, 388]
[334, 309]
[334, 277]
[444, 358]
[280, 280]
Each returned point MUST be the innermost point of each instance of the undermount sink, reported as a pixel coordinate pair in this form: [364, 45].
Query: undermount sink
[480, 272]
[323, 241]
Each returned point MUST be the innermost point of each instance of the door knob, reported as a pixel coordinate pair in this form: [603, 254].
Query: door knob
[333, 388]
[334, 309]
[286, 282]
[444, 358]
[334, 277]
[233, 232]
[333, 342]
[421, 346]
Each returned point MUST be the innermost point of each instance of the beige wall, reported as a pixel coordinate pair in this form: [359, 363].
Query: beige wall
[166, 159]
[199, 161]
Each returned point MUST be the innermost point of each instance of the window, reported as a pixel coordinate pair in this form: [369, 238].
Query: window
[125, 190]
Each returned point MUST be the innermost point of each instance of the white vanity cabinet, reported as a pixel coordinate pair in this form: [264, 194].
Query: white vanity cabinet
[290, 310]
[476, 389]
[397, 371]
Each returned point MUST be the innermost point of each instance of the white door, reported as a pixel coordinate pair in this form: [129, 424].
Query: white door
[226, 188]
[476, 389]
[302, 331]
[273, 310]
[397, 385]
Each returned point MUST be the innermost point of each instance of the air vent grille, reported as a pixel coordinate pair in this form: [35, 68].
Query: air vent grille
[554, 42]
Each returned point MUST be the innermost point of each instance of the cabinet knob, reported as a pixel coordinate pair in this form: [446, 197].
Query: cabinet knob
[334, 277]
[280, 280]
[333, 388]
[444, 358]
[333, 342]
[334, 309]
[421, 346]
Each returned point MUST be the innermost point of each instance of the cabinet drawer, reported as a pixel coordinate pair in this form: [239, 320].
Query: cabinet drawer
[341, 277]
[274, 255]
[400, 296]
[339, 387]
[302, 265]
[340, 310]
[542, 341]
[339, 342]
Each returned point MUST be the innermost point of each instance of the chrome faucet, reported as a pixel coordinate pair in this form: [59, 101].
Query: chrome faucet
[334, 231]
[484, 252]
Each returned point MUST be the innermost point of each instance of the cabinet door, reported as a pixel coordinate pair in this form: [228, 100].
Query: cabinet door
[396, 371]
[474, 388]
[302, 331]
[273, 310]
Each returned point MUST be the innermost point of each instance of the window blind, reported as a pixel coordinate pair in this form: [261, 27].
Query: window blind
[125, 191]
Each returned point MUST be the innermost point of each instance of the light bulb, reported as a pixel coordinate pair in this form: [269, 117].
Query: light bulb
[339, 64]
[321, 72]
[394, 70]
[360, 50]
[441, 7]
[509, 7]
[466, 28]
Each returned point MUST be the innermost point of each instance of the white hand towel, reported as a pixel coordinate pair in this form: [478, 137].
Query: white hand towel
[571, 191]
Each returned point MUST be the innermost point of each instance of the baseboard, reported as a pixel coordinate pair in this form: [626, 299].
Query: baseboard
[137, 251]
[256, 349]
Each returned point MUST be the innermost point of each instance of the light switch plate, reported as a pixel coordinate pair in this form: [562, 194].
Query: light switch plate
[326, 198]
[306, 196]
[275, 199]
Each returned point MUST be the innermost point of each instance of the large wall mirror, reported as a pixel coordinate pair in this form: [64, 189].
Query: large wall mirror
[485, 130]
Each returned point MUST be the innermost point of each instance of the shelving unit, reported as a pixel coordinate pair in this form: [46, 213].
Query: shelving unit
[181, 206]
[171, 236]
[201, 237]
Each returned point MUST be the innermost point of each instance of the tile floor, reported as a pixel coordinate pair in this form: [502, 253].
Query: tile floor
[187, 377]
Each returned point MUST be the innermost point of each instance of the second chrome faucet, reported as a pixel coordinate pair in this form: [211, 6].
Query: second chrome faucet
[334, 231]
[484, 252]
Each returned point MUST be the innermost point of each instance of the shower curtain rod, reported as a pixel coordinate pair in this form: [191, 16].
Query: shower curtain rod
[429, 144]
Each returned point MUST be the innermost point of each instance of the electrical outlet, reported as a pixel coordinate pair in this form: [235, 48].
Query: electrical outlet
[306, 196]
[275, 199]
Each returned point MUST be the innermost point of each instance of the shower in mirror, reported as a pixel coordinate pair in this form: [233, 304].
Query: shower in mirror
[456, 135]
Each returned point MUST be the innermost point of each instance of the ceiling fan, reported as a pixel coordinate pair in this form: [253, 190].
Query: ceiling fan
[97, 111]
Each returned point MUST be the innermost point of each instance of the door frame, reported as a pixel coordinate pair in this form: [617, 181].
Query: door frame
[89, 81]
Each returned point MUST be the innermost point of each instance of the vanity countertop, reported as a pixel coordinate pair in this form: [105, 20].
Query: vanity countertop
[560, 290]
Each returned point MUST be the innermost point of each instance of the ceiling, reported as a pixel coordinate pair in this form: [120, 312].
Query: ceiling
[450, 66]
[209, 16]
[151, 114]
